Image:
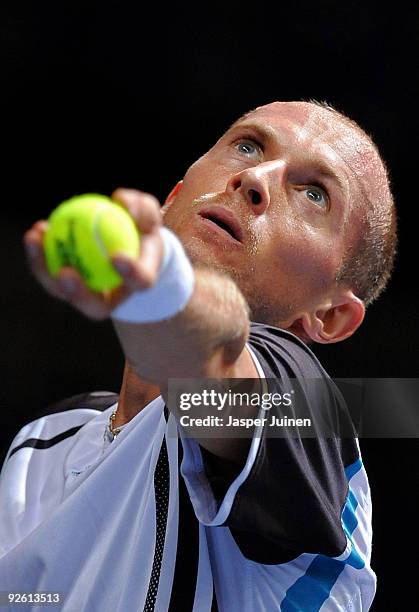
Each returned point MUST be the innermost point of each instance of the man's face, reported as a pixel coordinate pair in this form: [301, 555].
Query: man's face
[272, 204]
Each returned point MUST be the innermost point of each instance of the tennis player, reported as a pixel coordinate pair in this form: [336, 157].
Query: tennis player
[276, 238]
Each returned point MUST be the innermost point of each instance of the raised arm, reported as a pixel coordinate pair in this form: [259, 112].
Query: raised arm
[205, 339]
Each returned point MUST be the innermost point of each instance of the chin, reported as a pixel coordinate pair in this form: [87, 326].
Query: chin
[202, 258]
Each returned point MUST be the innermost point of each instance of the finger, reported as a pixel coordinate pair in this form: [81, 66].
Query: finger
[33, 238]
[33, 243]
[76, 292]
[143, 207]
[141, 273]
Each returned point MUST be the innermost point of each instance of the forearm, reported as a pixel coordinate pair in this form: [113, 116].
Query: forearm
[204, 340]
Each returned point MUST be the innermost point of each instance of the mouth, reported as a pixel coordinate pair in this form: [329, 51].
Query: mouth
[224, 220]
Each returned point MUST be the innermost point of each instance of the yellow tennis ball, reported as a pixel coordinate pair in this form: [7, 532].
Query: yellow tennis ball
[84, 232]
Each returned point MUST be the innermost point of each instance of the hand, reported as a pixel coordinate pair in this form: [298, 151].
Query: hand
[136, 274]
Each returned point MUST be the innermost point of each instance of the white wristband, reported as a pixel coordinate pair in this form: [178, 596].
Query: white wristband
[171, 292]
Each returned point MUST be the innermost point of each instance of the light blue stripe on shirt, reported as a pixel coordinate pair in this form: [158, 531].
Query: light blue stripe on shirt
[352, 469]
[312, 589]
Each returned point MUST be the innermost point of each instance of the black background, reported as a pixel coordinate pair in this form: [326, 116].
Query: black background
[98, 96]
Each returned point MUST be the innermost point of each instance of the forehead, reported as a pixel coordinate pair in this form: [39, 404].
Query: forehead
[301, 118]
[303, 125]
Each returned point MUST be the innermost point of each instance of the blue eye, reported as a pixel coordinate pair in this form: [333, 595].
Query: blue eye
[318, 196]
[248, 148]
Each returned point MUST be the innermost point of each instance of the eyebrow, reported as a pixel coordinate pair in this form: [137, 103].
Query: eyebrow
[266, 133]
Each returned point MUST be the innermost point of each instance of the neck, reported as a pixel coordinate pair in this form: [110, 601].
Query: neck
[135, 394]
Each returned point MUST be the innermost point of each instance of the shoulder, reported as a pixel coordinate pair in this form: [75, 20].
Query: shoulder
[61, 420]
[281, 353]
[40, 461]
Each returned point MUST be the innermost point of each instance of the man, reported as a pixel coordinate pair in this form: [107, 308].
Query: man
[288, 222]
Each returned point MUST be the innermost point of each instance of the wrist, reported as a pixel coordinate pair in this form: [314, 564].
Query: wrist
[170, 293]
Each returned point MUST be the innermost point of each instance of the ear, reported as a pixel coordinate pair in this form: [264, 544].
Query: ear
[336, 320]
[173, 193]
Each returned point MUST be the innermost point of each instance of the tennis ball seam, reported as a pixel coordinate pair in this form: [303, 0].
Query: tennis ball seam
[96, 239]
[96, 233]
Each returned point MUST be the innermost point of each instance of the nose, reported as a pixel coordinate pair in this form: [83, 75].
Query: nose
[257, 184]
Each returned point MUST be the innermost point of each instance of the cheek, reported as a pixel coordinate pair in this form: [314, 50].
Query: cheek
[196, 175]
[303, 262]
[207, 175]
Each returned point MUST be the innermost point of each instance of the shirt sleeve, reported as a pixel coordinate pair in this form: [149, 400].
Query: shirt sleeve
[288, 497]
